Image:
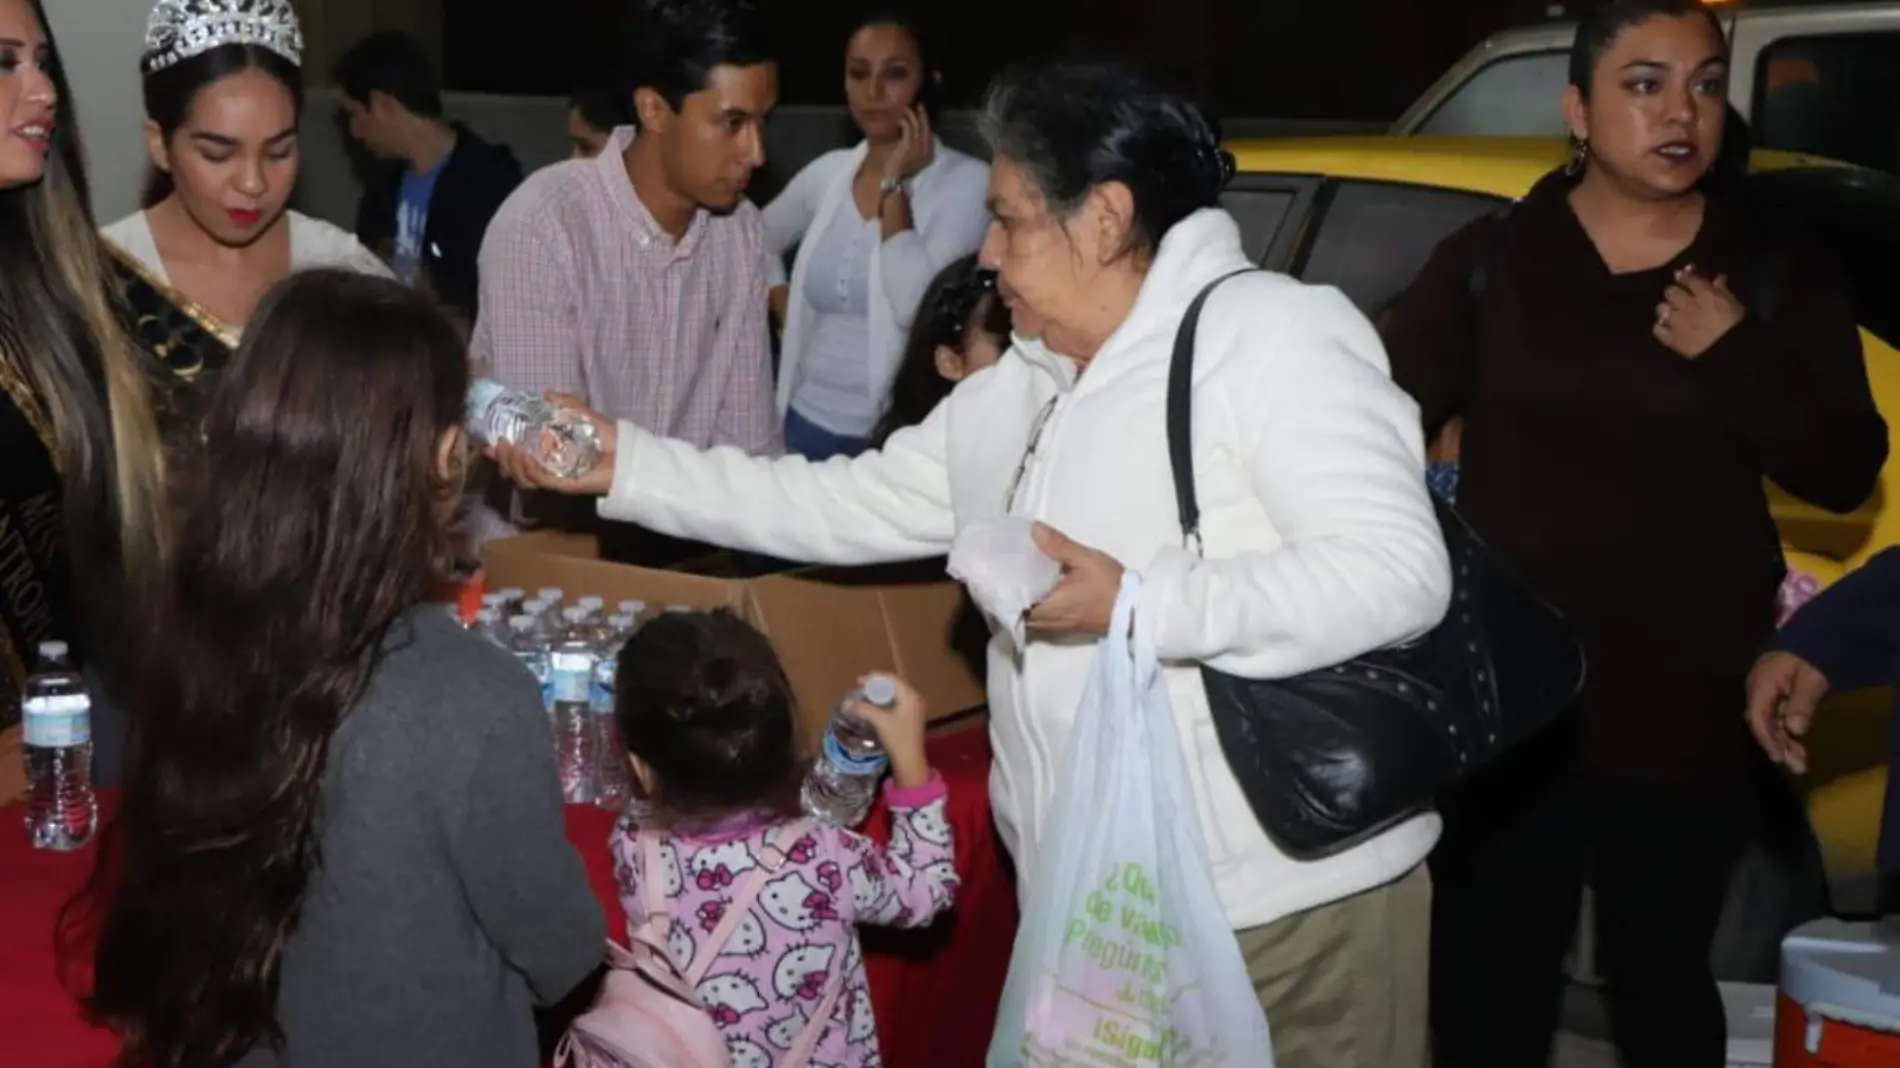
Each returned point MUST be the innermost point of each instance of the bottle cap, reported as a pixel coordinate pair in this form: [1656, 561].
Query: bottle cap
[679, 608]
[879, 690]
[520, 622]
[512, 593]
[591, 604]
[632, 608]
[574, 614]
[487, 615]
[620, 622]
[52, 650]
[494, 600]
[549, 593]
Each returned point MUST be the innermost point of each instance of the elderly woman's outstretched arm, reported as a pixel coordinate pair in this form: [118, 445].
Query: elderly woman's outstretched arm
[884, 506]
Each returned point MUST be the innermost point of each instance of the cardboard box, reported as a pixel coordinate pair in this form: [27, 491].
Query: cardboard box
[829, 625]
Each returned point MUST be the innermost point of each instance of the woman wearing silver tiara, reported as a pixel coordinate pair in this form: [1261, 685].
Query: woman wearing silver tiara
[223, 95]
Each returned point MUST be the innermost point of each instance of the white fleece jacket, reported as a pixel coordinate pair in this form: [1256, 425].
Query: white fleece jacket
[1321, 542]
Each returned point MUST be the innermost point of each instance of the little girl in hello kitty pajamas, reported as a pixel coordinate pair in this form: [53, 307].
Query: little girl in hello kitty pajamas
[711, 730]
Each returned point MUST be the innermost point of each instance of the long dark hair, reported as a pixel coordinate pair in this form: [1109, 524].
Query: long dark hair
[61, 329]
[170, 91]
[705, 704]
[317, 520]
[957, 304]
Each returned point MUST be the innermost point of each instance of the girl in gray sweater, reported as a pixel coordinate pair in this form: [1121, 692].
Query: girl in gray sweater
[341, 839]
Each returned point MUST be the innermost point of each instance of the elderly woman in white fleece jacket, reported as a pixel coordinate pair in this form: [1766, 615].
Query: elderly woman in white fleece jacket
[1320, 539]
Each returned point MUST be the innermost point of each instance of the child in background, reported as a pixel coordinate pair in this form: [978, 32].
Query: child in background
[961, 327]
[709, 722]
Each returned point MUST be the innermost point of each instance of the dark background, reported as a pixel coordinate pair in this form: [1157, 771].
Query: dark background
[1317, 59]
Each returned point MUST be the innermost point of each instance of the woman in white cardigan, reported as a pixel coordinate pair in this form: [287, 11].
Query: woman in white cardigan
[1321, 543]
[873, 224]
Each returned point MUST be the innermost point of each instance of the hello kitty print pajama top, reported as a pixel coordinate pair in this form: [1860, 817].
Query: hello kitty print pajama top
[780, 960]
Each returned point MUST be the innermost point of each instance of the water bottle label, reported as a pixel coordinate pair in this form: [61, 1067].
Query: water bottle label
[482, 394]
[601, 698]
[57, 722]
[838, 757]
[573, 677]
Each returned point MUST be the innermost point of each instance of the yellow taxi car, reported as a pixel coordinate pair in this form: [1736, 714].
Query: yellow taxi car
[1364, 213]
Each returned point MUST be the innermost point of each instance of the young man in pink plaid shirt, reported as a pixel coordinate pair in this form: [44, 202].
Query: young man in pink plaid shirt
[636, 279]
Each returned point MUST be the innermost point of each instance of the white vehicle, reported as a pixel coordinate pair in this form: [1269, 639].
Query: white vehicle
[1819, 78]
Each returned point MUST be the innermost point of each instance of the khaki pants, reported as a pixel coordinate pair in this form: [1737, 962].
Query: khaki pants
[1344, 985]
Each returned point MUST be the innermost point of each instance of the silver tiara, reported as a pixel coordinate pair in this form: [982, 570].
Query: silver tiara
[181, 29]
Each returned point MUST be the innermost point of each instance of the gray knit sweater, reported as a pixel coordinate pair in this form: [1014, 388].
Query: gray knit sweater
[448, 902]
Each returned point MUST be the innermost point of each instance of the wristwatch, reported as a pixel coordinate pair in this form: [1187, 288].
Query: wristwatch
[889, 186]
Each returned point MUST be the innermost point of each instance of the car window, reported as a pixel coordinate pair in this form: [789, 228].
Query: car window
[1836, 95]
[1517, 96]
[1855, 214]
[1260, 213]
[1374, 237]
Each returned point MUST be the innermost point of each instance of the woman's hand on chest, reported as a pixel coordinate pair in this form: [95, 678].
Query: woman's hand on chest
[1696, 312]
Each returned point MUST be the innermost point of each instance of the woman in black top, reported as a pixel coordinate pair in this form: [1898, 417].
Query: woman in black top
[1643, 351]
[80, 481]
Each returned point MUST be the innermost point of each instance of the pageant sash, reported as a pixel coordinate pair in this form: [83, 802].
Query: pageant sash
[190, 343]
[35, 601]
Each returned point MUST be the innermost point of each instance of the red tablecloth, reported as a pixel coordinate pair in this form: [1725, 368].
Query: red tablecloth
[934, 990]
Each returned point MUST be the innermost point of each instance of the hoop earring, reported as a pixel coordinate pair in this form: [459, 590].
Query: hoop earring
[1579, 156]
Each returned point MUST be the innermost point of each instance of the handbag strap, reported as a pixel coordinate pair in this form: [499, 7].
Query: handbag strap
[771, 858]
[1181, 414]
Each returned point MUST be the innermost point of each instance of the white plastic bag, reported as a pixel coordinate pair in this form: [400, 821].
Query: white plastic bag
[1124, 957]
[998, 562]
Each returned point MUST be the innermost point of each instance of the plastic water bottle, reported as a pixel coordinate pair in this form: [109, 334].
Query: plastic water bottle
[843, 780]
[576, 744]
[61, 812]
[561, 440]
[526, 642]
[547, 622]
[616, 779]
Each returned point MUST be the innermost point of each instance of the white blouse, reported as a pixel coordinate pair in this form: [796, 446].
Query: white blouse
[835, 380]
[832, 391]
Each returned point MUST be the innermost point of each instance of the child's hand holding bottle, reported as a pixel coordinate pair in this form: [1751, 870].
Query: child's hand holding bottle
[900, 729]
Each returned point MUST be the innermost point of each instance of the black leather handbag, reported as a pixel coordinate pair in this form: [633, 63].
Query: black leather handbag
[1333, 757]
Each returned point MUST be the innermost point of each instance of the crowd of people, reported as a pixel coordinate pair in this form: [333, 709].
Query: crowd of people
[237, 459]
